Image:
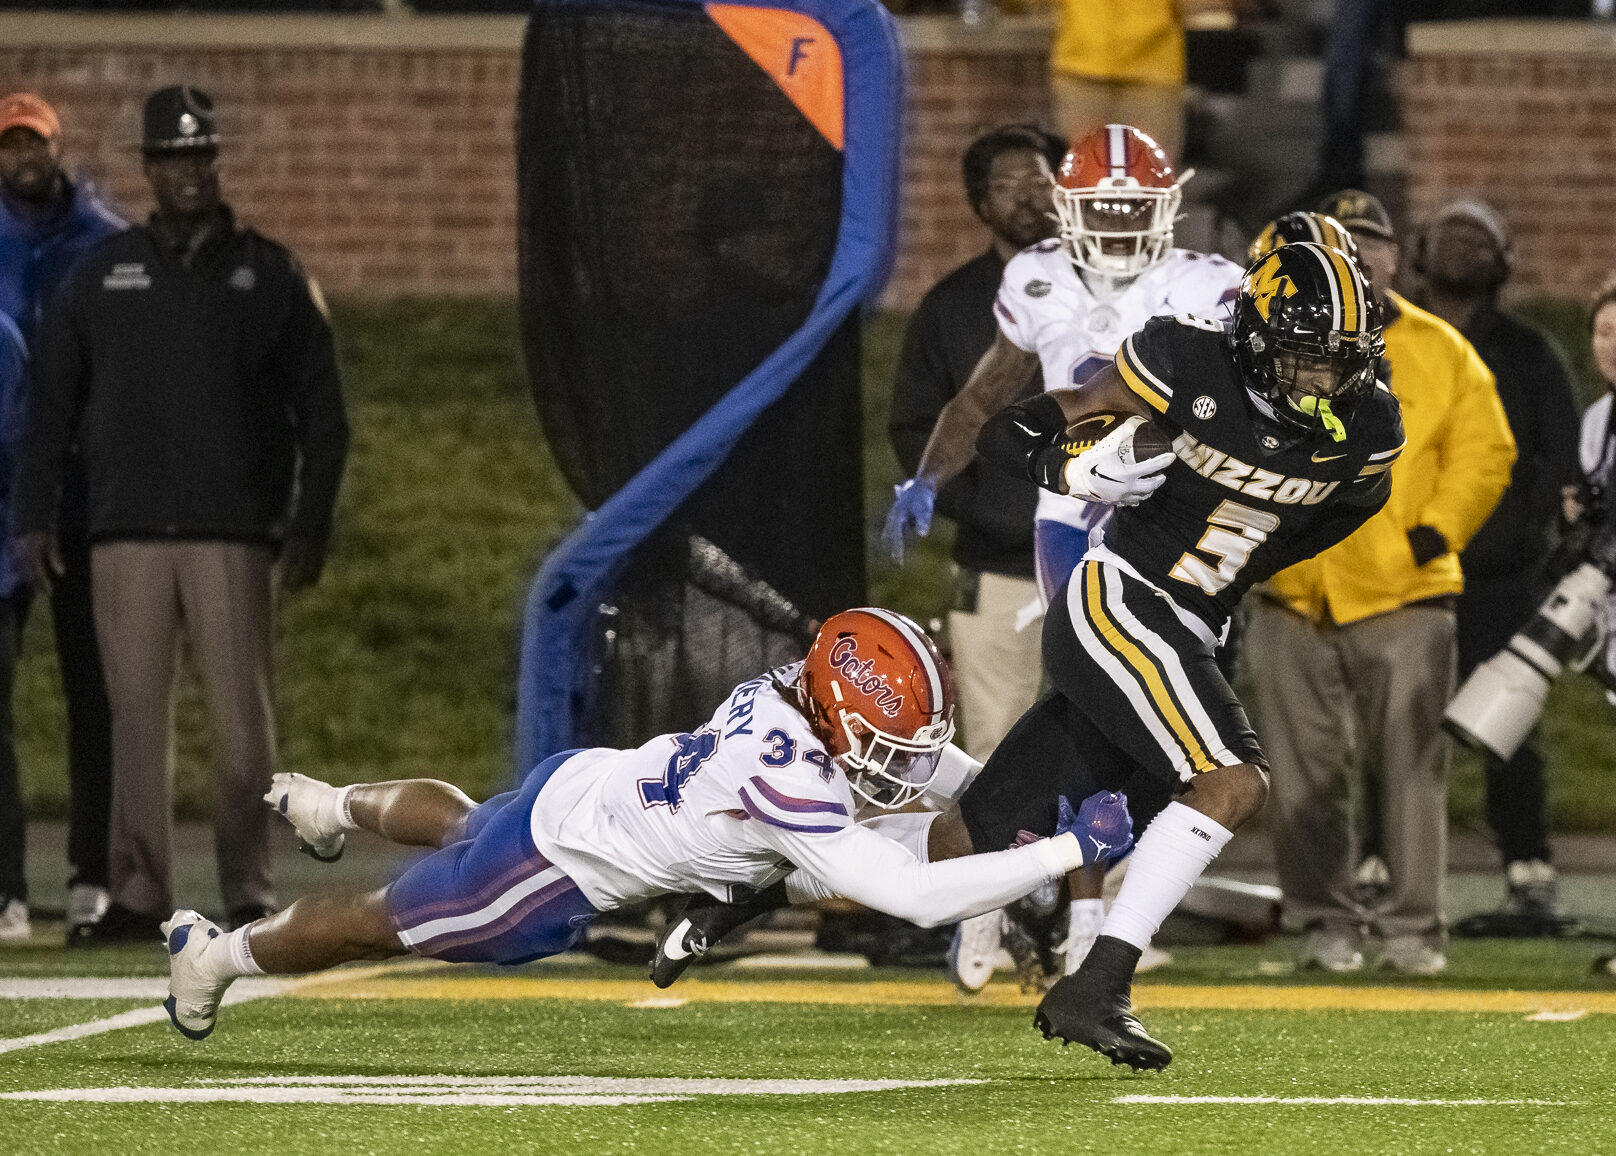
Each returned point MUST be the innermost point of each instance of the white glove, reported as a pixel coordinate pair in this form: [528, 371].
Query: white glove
[1106, 471]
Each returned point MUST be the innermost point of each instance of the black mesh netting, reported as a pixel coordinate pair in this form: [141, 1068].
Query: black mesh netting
[678, 215]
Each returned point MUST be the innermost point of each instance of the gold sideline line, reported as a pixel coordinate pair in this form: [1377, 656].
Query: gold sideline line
[938, 994]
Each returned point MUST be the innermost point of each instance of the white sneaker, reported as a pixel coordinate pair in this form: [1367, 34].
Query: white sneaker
[312, 809]
[1082, 929]
[1414, 954]
[14, 926]
[85, 905]
[1336, 948]
[193, 991]
[975, 951]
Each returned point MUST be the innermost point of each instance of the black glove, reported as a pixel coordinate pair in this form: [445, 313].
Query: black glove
[301, 562]
[1427, 543]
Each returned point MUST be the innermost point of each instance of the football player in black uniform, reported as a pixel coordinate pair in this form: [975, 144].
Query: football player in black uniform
[1281, 442]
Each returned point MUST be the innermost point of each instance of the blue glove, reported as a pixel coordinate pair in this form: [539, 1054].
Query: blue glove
[1102, 825]
[911, 507]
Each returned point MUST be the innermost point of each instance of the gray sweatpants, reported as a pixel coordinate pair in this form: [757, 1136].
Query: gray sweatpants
[219, 594]
[1328, 700]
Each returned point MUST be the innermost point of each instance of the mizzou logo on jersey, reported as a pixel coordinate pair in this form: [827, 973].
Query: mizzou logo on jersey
[1243, 478]
[1267, 283]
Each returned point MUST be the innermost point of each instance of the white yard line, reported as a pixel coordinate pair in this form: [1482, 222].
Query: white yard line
[1350, 1101]
[154, 987]
[466, 1091]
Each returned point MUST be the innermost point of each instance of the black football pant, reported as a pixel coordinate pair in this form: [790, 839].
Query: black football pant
[13, 823]
[1493, 607]
[89, 718]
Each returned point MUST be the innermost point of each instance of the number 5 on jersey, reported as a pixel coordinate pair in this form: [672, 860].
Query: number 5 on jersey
[1233, 532]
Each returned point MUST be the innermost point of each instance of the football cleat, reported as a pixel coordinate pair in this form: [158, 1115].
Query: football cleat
[308, 805]
[702, 923]
[193, 993]
[1092, 1007]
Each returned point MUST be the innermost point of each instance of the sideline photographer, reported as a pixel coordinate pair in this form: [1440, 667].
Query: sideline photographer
[1500, 703]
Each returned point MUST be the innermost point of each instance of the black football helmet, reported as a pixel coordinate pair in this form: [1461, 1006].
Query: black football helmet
[1307, 336]
[1303, 226]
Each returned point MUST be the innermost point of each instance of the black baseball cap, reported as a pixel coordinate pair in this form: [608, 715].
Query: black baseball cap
[1361, 212]
[179, 118]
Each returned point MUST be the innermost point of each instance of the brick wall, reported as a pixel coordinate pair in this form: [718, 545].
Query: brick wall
[381, 150]
[1523, 114]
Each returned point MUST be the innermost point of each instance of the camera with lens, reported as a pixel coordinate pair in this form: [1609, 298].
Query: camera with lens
[1500, 702]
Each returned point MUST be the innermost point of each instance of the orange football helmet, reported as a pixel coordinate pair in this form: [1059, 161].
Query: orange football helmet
[880, 694]
[1116, 198]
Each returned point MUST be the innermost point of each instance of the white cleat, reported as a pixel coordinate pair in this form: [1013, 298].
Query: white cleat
[976, 950]
[193, 992]
[14, 925]
[310, 806]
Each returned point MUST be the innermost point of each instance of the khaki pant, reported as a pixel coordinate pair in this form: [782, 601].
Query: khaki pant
[1082, 104]
[997, 668]
[219, 595]
[1327, 700]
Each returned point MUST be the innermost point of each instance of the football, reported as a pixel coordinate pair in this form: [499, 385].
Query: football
[1149, 439]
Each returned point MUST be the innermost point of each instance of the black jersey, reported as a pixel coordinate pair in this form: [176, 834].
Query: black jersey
[1247, 496]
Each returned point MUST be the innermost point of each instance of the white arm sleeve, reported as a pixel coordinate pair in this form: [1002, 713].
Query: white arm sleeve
[955, 771]
[858, 864]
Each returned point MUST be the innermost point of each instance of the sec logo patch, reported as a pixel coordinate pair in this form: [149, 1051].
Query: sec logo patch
[1037, 288]
[1204, 407]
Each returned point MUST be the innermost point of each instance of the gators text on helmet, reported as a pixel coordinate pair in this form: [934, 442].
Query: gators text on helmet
[880, 694]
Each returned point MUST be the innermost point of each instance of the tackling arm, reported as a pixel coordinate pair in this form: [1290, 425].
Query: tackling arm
[857, 863]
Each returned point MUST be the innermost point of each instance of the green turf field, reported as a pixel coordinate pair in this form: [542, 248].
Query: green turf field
[591, 1058]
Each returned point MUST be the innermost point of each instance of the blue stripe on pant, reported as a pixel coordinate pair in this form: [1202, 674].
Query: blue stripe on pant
[492, 897]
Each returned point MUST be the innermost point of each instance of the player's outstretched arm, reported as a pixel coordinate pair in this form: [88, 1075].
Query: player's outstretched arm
[859, 864]
[1001, 373]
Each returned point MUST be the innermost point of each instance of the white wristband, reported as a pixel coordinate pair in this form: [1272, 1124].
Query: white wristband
[1059, 855]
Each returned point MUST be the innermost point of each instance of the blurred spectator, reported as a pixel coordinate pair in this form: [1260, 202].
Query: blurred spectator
[1122, 62]
[1007, 175]
[1597, 450]
[14, 598]
[1349, 51]
[1353, 652]
[193, 361]
[46, 223]
[1462, 260]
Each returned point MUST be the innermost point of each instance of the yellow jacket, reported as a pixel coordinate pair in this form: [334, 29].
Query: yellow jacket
[1133, 40]
[1450, 476]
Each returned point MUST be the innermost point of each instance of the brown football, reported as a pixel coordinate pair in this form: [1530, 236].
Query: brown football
[1149, 439]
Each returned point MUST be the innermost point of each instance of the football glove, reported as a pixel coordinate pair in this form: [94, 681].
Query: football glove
[911, 507]
[1106, 471]
[1103, 827]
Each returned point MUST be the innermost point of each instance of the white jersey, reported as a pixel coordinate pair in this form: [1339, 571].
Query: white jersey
[744, 800]
[1044, 307]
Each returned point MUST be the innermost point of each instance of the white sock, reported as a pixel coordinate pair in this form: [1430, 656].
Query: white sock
[1084, 920]
[1174, 850]
[230, 955]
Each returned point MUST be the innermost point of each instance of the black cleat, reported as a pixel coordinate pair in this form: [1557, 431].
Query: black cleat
[1091, 1007]
[702, 923]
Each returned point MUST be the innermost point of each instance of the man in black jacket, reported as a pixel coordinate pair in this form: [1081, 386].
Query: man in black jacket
[996, 661]
[192, 361]
[1462, 260]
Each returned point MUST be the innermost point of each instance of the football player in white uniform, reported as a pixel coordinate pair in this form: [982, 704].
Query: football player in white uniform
[1067, 304]
[765, 792]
